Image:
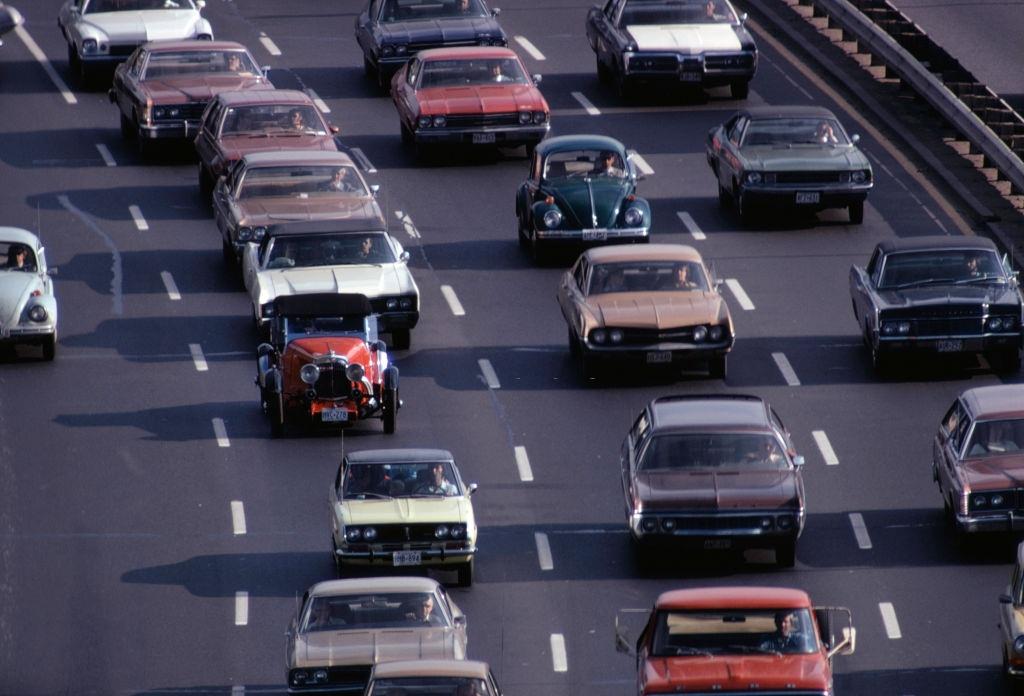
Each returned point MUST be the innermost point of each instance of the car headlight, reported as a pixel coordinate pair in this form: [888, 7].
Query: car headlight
[440, 121]
[615, 335]
[552, 219]
[320, 676]
[978, 501]
[540, 117]
[244, 234]
[309, 373]
[525, 117]
[700, 333]
[405, 302]
[785, 522]
[599, 336]
[753, 177]
[767, 522]
[633, 217]
[860, 176]
[353, 533]
[1018, 645]
[299, 677]
[441, 532]
[387, 50]
[89, 46]
[267, 310]
[424, 121]
[258, 233]
[997, 500]
[903, 327]
[649, 524]
[668, 524]
[715, 333]
[457, 531]
[369, 533]
[37, 313]
[401, 50]
[1009, 323]
[355, 372]
[994, 323]
[893, 328]
[391, 303]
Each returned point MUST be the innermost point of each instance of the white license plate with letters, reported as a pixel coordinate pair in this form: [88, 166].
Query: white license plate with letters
[334, 415]
[659, 356]
[407, 558]
[483, 138]
[953, 346]
[718, 543]
[690, 77]
[808, 197]
[594, 235]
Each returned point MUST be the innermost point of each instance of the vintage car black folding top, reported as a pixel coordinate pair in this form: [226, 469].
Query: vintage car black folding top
[322, 305]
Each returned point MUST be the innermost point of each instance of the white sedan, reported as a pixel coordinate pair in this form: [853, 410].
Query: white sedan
[28, 308]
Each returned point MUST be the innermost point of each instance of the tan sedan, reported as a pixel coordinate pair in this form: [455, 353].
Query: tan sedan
[653, 304]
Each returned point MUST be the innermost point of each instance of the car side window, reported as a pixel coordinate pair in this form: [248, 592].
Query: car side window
[374, 10]
[211, 117]
[640, 428]
[413, 72]
[338, 479]
[493, 684]
[135, 67]
[1016, 586]
[609, 9]
[962, 427]
[950, 420]
[874, 266]
[776, 421]
[736, 132]
[580, 274]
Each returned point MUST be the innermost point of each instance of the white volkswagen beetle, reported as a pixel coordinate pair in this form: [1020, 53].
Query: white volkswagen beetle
[28, 308]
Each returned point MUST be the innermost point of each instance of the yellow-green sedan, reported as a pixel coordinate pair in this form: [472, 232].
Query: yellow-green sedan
[403, 507]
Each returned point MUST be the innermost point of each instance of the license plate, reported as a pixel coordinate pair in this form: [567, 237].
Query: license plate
[718, 543]
[407, 558]
[482, 138]
[334, 415]
[949, 346]
[806, 197]
[660, 356]
[592, 235]
[690, 77]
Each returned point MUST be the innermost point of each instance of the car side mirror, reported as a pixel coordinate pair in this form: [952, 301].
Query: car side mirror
[623, 644]
[200, 4]
[52, 270]
[744, 17]
[374, 189]
[854, 139]
[472, 488]
[404, 257]
[264, 349]
[537, 78]
[798, 461]
[718, 283]
[334, 130]
[460, 621]
[380, 346]
[265, 69]
[495, 11]
[1005, 599]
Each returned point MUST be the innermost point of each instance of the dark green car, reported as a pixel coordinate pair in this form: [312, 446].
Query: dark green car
[581, 192]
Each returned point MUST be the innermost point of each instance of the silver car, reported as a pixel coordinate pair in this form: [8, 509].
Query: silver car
[28, 308]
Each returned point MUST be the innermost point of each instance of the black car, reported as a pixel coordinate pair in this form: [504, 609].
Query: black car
[391, 31]
[939, 295]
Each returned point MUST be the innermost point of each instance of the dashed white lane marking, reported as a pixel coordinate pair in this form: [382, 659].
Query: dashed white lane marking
[523, 464]
[827, 453]
[935, 219]
[860, 531]
[172, 287]
[410, 228]
[453, 300]
[197, 357]
[116, 266]
[237, 517]
[38, 54]
[364, 160]
[739, 294]
[221, 433]
[782, 362]
[529, 48]
[238, 690]
[137, 218]
[108, 159]
[789, 78]
[892, 626]
[320, 103]
[543, 551]
[559, 662]
[641, 163]
[241, 608]
[271, 47]
[590, 108]
[691, 226]
[490, 376]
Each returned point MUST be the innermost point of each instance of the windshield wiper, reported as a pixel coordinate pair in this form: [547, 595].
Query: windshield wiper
[926, 281]
[750, 649]
[981, 279]
[687, 650]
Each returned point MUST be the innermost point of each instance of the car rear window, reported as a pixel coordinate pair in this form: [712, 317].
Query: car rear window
[733, 451]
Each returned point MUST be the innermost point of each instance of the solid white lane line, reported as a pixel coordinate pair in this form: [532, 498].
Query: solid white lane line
[782, 362]
[140, 221]
[172, 288]
[364, 160]
[892, 626]
[271, 47]
[241, 608]
[237, 517]
[38, 54]
[490, 376]
[453, 301]
[860, 531]
[827, 453]
[641, 163]
[739, 294]
[197, 357]
[320, 103]
[558, 660]
[590, 108]
[543, 551]
[108, 159]
[221, 433]
[523, 464]
[691, 226]
[529, 48]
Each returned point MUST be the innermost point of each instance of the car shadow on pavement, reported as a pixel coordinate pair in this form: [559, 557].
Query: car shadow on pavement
[191, 422]
[193, 270]
[959, 680]
[224, 339]
[178, 204]
[214, 690]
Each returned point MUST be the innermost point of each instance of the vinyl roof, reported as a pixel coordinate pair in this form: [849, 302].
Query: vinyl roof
[710, 411]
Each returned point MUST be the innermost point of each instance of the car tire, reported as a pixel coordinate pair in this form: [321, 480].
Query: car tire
[390, 408]
[407, 136]
[401, 339]
[524, 241]
[465, 574]
[724, 199]
[277, 423]
[785, 554]
[717, 367]
[144, 147]
[623, 89]
[574, 345]
[50, 347]
[643, 557]
[744, 208]
[538, 251]
[205, 184]
[127, 132]
[72, 60]
[368, 70]
[590, 367]
[603, 76]
[228, 253]
[856, 211]
[740, 90]
[880, 360]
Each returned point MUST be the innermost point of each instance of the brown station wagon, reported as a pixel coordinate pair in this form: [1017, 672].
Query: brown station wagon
[236, 123]
[712, 472]
[978, 459]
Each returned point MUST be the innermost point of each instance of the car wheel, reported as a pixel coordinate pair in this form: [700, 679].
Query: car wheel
[740, 90]
[602, 72]
[745, 209]
[785, 554]
[229, 255]
[368, 70]
[277, 422]
[205, 184]
[401, 339]
[50, 347]
[643, 557]
[856, 212]
[724, 199]
[407, 137]
[144, 146]
[590, 367]
[466, 574]
[879, 359]
[717, 367]
[521, 232]
[623, 88]
[382, 81]
[538, 251]
[390, 408]
[127, 132]
[72, 60]
[574, 345]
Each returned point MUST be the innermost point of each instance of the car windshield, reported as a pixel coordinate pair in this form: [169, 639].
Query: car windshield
[94, 6]
[938, 267]
[416, 10]
[677, 12]
[15, 256]
[273, 119]
[784, 132]
[478, 71]
[583, 163]
[296, 327]
[734, 632]
[436, 479]
[647, 276]
[996, 438]
[301, 181]
[163, 64]
[373, 610]
[733, 451]
[306, 251]
[430, 686]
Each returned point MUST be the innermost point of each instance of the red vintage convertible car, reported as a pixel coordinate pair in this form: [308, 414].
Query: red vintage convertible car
[470, 95]
[325, 365]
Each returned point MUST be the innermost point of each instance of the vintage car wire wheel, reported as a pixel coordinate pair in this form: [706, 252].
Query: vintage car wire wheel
[856, 211]
[401, 339]
[465, 574]
[740, 90]
[390, 408]
[785, 554]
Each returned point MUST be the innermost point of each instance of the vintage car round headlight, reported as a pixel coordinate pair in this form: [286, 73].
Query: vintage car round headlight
[457, 531]
[1009, 323]
[785, 522]
[424, 121]
[888, 328]
[299, 677]
[353, 533]
[859, 176]
[599, 336]
[615, 335]
[37, 313]
[400, 50]
[440, 121]
[767, 522]
[441, 532]
[525, 117]
[89, 46]
[244, 234]
[387, 50]
[700, 333]
[552, 219]
[405, 302]
[997, 500]
[903, 327]
[753, 177]
[391, 303]
[320, 676]
[309, 373]
[355, 372]
[994, 323]
[1018, 645]
[633, 217]
[668, 524]
[259, 233]
[540, 117]
[370, 533]
[979, 501]
[715, 333]
[649, 524]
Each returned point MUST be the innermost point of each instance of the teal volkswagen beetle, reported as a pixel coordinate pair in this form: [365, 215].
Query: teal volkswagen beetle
[581, 191]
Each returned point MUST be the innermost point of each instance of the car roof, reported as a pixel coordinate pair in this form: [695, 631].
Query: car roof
[322, 304]
[343, 225]
[187, 44]
[1001, 401]
[466, 52]
[265, 96]
[935, 243]
[399, 583]
[297, 157]
[764, 112]
[710, 411]
[398, 456]
[744, 597]
[642, 252]
[16, 234]
[578, 142]
[431, 668]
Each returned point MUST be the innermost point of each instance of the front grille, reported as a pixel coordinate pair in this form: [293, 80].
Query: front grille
[947, 327]
[356, 676]
[192, 111]
[946, 320]
[333, 384]
[122, 50]
[940, 312]
[648, 336]
[667, 64]
[717, 523]
[810, 177]
[729, 62]
[405, 534]
[483, 120]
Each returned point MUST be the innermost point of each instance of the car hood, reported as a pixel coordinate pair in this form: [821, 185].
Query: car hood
[15, 289]
[369, 280]
[781, 158]
[995, 473]
[716, 490]
[938, 295]
[434, 31]
[193, 88]
[661, 310]
[480, 99]
[266, 211]
[340, 648]
[394, 510]
[235, 146]
[684, 38]
[590, 202]
[352, 348]
[144, 25]
[735, 674]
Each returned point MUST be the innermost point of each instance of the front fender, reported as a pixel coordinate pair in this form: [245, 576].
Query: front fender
[203, 26]
[391, 377]
[537, 211]
[269, 378]
[640, 203]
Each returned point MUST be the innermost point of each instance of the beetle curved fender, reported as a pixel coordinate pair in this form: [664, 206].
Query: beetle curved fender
[540, 208]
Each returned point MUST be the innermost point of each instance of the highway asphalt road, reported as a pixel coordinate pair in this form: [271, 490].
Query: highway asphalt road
[122, 567]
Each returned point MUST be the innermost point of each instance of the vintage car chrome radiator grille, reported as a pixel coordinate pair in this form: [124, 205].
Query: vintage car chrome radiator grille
[482, 120]
[333, 384]
[737, 61]
[810, 177]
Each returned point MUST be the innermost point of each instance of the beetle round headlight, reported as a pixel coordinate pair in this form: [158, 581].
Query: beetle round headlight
[244, 234]
[715, 333]
[309, 373]
[753, 177]
[633, 217]
[440, 121]
[525, 117]
[369, 533]
[37, 313]
[424, 121]
[441, 532]
[700, 333]
[552, 219]
[599, 336]
[615, 335]
[355, 372]
[353, 533]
